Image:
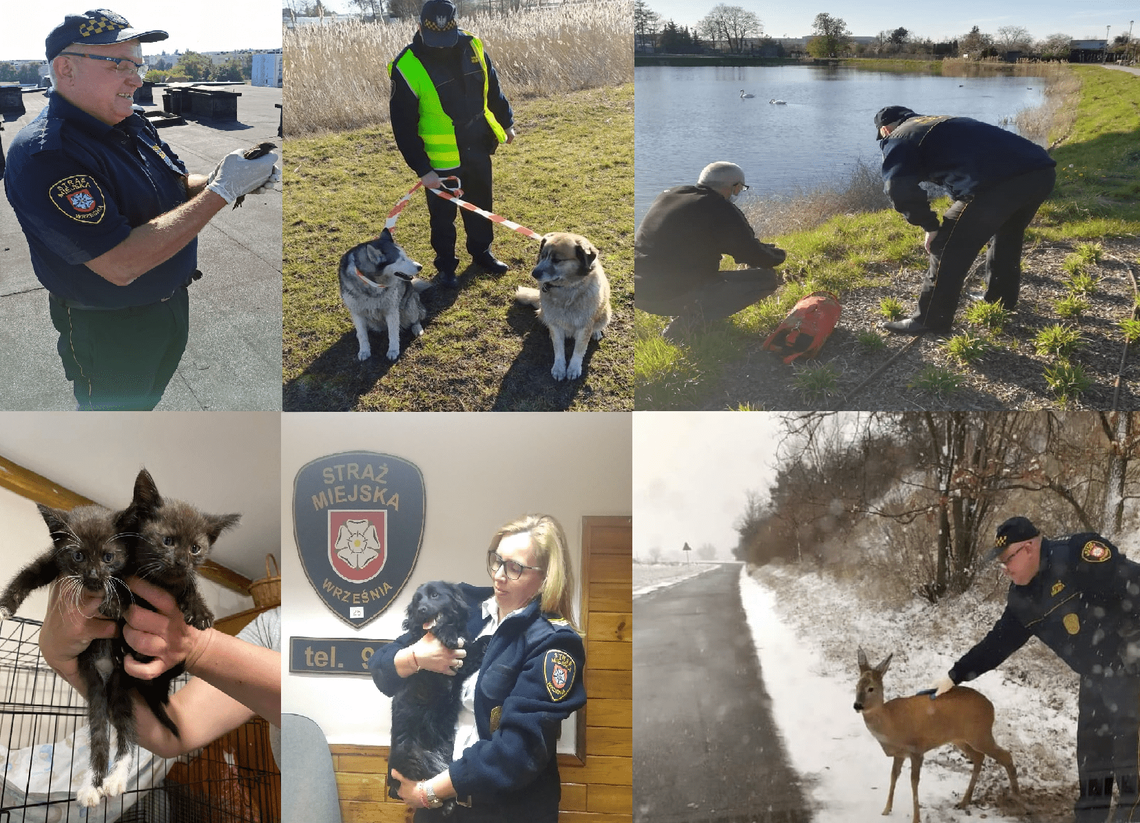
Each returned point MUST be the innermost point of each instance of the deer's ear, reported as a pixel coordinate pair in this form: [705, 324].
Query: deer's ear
[886, 664]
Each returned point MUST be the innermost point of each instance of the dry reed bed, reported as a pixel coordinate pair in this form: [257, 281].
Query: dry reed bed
[336, 76]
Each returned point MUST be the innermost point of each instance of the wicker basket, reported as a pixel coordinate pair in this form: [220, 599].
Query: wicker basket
[266, 592]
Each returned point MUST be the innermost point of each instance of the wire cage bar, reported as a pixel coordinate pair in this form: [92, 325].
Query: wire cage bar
[43, 757]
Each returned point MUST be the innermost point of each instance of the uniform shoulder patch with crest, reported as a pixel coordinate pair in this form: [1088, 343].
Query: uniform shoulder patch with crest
[79, 197]
[1095, 552]
[558, 672]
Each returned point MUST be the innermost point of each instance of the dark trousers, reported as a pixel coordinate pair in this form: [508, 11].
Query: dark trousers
[718, 296]
[474, 174]
[121, 359]
[1108, 748]
[998, 216]
[486, 814]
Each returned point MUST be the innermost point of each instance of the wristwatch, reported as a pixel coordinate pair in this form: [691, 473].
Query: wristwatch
[432, 801]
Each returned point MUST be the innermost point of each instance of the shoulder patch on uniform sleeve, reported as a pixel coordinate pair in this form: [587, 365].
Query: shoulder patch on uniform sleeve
[79, 197]
[1095, 552]
[558, 671]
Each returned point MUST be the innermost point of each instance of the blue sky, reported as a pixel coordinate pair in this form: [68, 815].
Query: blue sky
[1079, 19]
[202, 25]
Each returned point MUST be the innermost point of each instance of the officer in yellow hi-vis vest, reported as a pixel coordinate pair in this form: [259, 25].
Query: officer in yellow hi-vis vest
[448, 116]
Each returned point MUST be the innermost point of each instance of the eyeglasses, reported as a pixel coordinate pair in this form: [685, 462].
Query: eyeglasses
[1005, 563]
[513, 570]
[743, 187]
[123, 65]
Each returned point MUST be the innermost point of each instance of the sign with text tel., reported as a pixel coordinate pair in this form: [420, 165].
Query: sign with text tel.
[332, 655]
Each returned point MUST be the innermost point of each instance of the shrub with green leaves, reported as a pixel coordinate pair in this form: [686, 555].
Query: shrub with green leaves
[941, 382]
[817, 381]
[871, 340]
[1067, 380]
[987, 315]
[1131, 328]
[1089, 253]
[1082, 284]
[1058, 341]
[966, 348]
[891, 308]
[1071, 306]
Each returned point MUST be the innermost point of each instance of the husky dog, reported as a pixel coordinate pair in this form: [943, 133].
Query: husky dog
[573, 299]
[380, 290]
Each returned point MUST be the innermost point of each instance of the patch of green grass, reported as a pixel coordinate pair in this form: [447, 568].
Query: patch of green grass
[1067, 380]
[1058, 341]
[480, 351]
[967, 348]
[1071, 306]
[937, 381]
[817, 381]
[1131, 329]
[990, 316]
[1074, 266]
[891, 308]
[1083, 284]
[871, 340]
[1089, 253]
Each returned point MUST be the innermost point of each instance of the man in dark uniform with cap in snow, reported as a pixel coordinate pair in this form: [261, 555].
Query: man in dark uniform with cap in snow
[1080, 596]
[112, 216]
[997, 179]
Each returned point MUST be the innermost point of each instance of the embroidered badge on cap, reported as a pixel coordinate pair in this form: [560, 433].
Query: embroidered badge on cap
[106, 21]
[1095, 552]
[80, 198]
[558, 670]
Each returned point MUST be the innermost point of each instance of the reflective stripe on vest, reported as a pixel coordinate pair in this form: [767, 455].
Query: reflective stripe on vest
[435, 128]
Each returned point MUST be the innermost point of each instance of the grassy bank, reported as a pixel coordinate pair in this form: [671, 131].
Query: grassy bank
[571, 169]
[337, 76]
[856, 255]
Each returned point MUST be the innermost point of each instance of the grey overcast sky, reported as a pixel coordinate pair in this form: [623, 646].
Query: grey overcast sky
[691, 475]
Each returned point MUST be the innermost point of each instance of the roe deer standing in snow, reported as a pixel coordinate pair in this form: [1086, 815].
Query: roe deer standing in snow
[912, 726]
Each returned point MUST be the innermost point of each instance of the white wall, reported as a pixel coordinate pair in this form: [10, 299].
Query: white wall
[480, 470]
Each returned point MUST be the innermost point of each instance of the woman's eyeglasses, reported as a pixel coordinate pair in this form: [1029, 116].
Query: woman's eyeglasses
[123, 65]
[513, 570]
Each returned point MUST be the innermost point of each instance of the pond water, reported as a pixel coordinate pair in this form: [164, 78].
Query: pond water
[688, 117]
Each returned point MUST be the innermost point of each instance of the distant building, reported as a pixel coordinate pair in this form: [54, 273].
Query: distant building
[267, 70]
[1087, 51]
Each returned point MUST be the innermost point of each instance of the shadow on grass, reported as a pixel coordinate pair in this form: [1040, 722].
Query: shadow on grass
[337, 381]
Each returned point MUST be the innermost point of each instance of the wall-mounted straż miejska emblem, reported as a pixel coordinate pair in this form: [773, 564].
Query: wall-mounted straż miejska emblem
[358, 518]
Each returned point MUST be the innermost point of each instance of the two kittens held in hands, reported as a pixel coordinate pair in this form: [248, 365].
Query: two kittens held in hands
[94, 550]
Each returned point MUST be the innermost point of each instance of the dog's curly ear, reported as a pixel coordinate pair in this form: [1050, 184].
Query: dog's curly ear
[586, 252]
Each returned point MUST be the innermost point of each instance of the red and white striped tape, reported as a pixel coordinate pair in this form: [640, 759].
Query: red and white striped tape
[452, 193]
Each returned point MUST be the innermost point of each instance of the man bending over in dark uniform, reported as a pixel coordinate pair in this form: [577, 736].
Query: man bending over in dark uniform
[112, 216]
[1079, 595]
[998, 181]
[677, 251]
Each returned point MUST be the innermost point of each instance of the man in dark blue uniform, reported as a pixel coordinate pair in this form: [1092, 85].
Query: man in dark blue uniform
[112, 216]
[448, 117]
[678, 247]
[1080, 596]
[998, 181]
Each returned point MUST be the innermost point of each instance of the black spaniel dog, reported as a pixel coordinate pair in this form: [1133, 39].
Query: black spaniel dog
[425, 710]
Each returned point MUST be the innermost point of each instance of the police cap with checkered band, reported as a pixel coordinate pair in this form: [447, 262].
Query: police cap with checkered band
[437, 24]
[1014, 530]
[100, 27]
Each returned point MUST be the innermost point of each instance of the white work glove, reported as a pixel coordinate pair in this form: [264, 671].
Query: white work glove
[942, 685]
[235, 176]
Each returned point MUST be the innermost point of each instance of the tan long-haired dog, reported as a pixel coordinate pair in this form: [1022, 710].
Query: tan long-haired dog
[573, 299]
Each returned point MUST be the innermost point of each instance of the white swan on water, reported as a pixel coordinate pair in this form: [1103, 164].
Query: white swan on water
[776, 102]
[744, 94]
